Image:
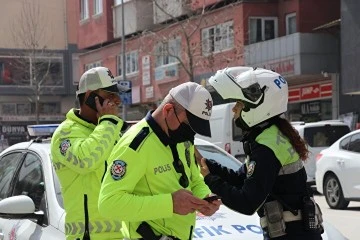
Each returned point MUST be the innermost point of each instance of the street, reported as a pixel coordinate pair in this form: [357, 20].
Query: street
[346, 221]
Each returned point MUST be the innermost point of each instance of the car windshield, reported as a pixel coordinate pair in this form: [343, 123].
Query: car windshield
[210, 152]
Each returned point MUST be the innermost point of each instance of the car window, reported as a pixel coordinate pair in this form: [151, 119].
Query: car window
[211, 152]
[354, 144]
[324, 136]
[30, 181]
[344, 144]
[8, 165]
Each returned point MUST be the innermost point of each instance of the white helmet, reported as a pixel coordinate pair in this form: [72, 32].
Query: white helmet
[263, 92]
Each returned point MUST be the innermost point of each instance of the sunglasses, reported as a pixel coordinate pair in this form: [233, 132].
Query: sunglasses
[179, 167]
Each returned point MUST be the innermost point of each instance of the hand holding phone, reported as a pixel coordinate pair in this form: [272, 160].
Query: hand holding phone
[90, 101]
[212, 198]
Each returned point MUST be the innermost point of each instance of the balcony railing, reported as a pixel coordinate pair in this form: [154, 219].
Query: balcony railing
[138, 17]
[295, 54]
[165, 10]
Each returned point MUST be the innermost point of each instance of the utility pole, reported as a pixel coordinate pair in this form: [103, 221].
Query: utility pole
[124, 112]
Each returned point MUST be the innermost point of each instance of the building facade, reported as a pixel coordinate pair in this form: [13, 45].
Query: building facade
[170, 42]
[350, 58]
[35, 65]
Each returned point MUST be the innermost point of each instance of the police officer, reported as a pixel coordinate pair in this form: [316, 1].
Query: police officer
[273, 179]
[80, 147]
[153, 183]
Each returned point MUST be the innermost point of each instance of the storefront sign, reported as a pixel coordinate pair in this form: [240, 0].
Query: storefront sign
[167, 71]
[310, 92]
[146, 70]
[149, 92]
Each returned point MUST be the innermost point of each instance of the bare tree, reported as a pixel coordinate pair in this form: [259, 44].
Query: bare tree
[193, 53]
[32, 65]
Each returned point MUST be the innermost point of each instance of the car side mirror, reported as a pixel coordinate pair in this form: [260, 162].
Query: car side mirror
[20, 207]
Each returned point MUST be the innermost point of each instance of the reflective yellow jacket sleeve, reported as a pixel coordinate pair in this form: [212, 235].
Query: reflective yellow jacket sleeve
[116, 199]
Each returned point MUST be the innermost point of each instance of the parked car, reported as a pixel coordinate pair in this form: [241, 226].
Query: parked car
[31, 206]
[319, 135]
[338, 171]
[224, 132]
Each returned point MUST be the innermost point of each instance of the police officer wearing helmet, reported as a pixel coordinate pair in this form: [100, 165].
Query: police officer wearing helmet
[272, 182]
[153, 183]
[80, 147]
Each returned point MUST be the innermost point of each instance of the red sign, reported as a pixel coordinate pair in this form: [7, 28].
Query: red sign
[310, 92]
[284, 67]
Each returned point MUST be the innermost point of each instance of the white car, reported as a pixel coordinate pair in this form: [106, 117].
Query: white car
[338, 168]
[31, 205]
[319, 135]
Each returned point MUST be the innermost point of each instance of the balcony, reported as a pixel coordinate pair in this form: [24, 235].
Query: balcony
[165, 10]
[138, 17]
[295, 54]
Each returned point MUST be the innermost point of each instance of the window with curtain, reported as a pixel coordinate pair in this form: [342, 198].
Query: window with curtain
[291, 23]
[84, 9]
[131, 65]
[217, 38]
[167, 52]
[98, 6]
[262, 29]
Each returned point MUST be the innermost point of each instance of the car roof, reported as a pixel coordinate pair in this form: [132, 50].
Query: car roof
[299, 125]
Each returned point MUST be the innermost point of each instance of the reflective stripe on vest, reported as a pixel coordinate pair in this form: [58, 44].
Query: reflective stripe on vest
[74, 228]
[291, 168]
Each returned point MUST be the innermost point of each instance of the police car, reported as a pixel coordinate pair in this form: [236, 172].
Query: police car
[31, 205]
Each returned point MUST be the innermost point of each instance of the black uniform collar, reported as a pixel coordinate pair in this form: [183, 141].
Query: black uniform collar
[157, 129]
[255, 131]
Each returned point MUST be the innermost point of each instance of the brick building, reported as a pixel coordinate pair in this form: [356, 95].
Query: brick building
[169, 42]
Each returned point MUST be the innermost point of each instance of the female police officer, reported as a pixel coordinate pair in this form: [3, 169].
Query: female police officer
[273, 180]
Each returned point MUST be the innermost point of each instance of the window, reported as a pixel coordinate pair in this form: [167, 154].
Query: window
[345, 143]
[324, 136]
[354, 144]
[8, 165]
[131, 63]
[49, 108]
[98, 6]
[27, 71]
[118, 2]
[217, 38]
[30, 180]
[8, 108]
[290, 23]
[84, 9]
[262, 29]
[167, 52]
[92, 65]
[23, 108]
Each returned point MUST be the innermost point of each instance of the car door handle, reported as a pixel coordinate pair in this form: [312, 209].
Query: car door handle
[339, 161]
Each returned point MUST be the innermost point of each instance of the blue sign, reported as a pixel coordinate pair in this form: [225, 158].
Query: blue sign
[126, 97]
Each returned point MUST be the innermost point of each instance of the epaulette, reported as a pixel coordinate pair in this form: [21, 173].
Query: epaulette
[139, 138]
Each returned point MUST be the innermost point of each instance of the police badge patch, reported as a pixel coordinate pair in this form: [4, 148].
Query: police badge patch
[118, 169]
[250, 169]
[64, 146]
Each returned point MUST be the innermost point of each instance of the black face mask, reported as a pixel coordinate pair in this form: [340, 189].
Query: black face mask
[182, 134]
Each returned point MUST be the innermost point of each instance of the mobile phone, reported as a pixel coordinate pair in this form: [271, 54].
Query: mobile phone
[90, 101]
[212, 198]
